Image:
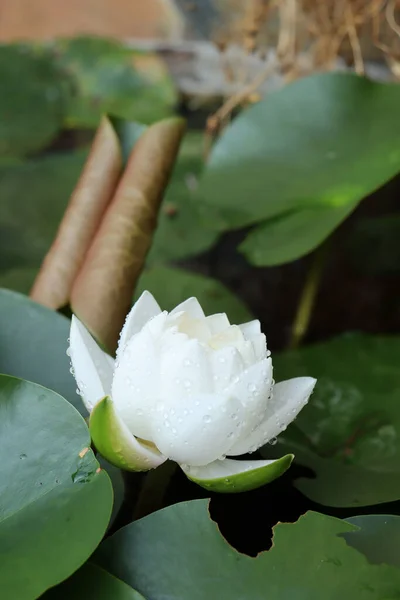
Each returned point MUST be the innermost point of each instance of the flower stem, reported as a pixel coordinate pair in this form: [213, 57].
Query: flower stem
[154, 487]
[308, 297]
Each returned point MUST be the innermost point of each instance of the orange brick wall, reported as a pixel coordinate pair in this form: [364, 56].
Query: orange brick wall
[44, 19]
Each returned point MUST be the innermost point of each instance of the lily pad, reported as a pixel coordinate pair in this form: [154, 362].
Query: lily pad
[302, 159]
[349, 433]
[28, 228]
[32, 101]
[182, 229]
[55, 500]
[194, 561]
[92, 583]
[377, 537]
[171, 286]
[33, 344]
[105, 80]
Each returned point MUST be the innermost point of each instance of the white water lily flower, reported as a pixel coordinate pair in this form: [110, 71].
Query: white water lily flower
[189, 388]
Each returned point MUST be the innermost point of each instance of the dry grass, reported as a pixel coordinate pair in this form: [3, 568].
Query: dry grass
[309, 36]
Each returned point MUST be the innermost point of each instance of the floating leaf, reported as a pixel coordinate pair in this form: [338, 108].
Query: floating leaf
[307, 154]
[349, 433]
[287, 237]
[170, 286]
[308, 560]
[377, 537]
[20, 279]
[33, 344]
[106, 80]
[28, 227]
[92, 583]
[32, 102]
[182, 229]
[55, 501]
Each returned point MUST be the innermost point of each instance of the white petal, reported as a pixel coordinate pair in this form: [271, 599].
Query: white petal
[217, 323]
[252, 333]
[259, 344]
[198, 432]
[253, 389]
[228, 337]
[190, 306]
[185, 370]
[246, 350]
[253, 385]
[93, 368]
[288, 398]
[136, 383]
[226, 365]
[144, 309]
[251, 329]
[194, 328]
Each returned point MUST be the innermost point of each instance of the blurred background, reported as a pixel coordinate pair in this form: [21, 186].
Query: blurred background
[63, 65]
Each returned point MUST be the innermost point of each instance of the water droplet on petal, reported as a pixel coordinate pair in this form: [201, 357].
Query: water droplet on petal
[68, 352]
[22, 456]
[187, 362]
[273, 441]
[139, 412]
[207, 419]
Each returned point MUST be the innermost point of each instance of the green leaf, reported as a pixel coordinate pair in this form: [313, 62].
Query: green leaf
[324, 142]
[106, 81]
[170, 286]
[92, 583]
[287, 237]
[32, 102]
[377, 537]
[20, 279]
[28, 227]
[234, 476]
[182, 230]
[349, 433]
[33, 344]
[308, 561]
[55, 503]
